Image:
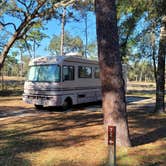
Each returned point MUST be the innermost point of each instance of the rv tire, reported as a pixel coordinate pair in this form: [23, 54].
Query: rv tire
[38, 107]
[67, 103]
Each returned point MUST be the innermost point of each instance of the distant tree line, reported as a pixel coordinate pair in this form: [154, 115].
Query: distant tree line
[140, 71]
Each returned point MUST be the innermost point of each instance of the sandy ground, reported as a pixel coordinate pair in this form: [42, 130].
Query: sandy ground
[75, 137]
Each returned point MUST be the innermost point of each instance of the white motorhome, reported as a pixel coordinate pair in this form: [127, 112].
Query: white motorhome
[62, 81]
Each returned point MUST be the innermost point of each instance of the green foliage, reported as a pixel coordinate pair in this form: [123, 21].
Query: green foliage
[141, 71]
[12, 66]
[92, 51]
[33, 38]
[160, 7]
[139, 26]
[129, 16]
[86, 5]
[71, 44]
[131, 30]
[25, 61]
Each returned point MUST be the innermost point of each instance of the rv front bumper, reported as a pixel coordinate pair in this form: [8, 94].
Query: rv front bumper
[42, 100]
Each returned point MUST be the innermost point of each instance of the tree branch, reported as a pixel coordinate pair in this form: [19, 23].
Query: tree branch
[64, 3]
[51, 10]
[25, 5]
[26, 29]
[9, 23]
[27, 46]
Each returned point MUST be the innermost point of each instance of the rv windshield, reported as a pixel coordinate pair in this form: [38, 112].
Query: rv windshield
[44, 73]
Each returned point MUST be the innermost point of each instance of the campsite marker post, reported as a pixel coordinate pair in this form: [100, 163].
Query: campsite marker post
[112, 145]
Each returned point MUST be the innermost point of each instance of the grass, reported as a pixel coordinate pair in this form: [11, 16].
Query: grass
[11, 92]
[12, 86]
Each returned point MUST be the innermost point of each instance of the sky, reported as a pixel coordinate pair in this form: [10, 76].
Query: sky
[53, 27]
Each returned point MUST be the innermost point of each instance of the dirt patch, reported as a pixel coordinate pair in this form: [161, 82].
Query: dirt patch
[76, 137]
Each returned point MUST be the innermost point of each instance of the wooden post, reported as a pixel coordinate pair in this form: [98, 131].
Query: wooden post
[112, 145]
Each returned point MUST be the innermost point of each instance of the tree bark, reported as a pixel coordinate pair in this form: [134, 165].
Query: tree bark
[2, 79]
[140, 76]
[154, 66]
[160, 87]
[113, 92]
[86, 34]
[153, 37]
[63, 31]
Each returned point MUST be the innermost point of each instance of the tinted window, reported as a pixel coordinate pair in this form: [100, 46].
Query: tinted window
[84, 72]
[97, 72]
[68, 73]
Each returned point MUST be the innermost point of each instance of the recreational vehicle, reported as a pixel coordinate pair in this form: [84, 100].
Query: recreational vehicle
[62, 81]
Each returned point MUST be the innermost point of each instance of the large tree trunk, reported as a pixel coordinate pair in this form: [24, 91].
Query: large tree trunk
[113, 92]
[160, 87]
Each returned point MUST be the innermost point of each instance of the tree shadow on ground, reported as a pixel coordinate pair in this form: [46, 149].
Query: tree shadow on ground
[94, 105]
[27, 131]
[6, 93]
[147, 126]
[149, 137]
[133, 98]
[35, 135]
[31, 132]
[141, 91]
[14, 146]
[129, 99]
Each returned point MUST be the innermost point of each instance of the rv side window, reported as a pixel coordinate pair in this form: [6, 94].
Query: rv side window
[84, 72]
[68, 73]
[97, 72]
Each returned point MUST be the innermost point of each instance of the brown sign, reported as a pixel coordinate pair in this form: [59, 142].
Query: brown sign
[111, 135]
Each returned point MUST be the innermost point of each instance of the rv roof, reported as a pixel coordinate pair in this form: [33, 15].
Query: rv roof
[59, 60]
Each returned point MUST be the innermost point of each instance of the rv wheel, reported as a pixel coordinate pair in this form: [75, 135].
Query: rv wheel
[38, 106]
[67, 104]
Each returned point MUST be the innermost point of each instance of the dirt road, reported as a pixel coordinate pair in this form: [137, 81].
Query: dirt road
[14, 106]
